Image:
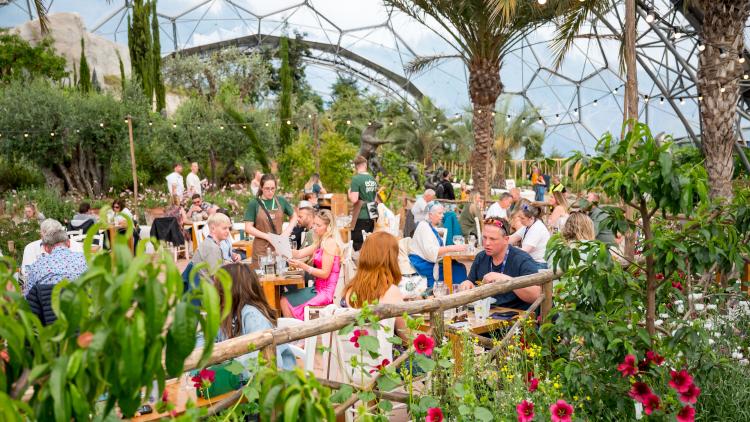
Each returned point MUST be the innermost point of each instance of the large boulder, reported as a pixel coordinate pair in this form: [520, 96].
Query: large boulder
[66, 30]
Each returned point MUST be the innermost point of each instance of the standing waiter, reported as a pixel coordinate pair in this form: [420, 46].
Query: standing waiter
[362, 194]
[265, 214]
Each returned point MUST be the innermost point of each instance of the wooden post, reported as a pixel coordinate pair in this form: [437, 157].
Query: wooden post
[132, 163]
[437, 324]
[547, 303]
[746, 278]
[269, 353]
[317, 142]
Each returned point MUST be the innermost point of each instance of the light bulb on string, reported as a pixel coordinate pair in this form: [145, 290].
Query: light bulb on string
[479, 111]
[722, 90]
[678, 34]
[25, 135]
[651, 16]
[645, 98]
[127, 120]
[369, 123]
[221, 127]
[199, 127]
[150, 123]
[348, 122]
[542, 2]
[101, 124]
[700, 98]
[78, 131]
[701, 46]
[596, 103]
[493, 114]
[540, 119]
[682, 101]
[745, 76]
[434, 120]
[615, 90]
[244, 126]
[309, 116]
[413, 122]
[557, 116]
[661, 100]
[174, 125]
[575, 111]
[722, 53]
[266, 124]
[52, 134]
[390, 123]
[741, 59]
[288, 122]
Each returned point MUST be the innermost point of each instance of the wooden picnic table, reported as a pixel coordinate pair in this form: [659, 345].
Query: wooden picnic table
[272, 285]
[179, 392]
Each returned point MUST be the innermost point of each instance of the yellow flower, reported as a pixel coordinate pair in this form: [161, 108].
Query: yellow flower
[556, 385]
[588, 398]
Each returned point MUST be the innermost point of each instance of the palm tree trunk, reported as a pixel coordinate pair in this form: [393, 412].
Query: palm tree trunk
[723, 25]
[631, 98]
[484, 88]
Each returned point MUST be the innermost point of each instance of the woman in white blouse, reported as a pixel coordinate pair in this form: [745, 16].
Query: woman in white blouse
[533, 235]
[426, 247]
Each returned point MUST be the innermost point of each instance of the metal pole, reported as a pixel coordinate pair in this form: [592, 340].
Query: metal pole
[317, 142]
[132, 163]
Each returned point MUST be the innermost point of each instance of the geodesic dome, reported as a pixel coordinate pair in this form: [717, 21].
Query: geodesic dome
[576, 102]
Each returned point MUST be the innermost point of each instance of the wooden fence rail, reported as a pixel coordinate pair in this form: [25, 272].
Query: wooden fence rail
[267, 340]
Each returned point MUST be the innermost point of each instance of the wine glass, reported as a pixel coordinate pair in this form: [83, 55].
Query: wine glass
[458, 240]
[472, 242]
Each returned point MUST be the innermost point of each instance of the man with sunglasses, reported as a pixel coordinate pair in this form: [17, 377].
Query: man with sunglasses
[500, 262]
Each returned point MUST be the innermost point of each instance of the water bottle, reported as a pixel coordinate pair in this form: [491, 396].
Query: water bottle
[270, 268]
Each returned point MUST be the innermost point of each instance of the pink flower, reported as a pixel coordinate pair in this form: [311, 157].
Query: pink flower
[561, 411]
[382, 365]
[686, 414]
[639, 391]
[677, 285]
[204, 379]
[165, 396]
[533, 385]
[654, 357]
[424, 344]
[434, 414]
[690, 396]
[627, 368]
[651, 403]
[681, 381]
[356, 335]
[525, 411]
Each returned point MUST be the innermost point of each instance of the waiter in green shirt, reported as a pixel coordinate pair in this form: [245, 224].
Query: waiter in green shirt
[362, 194]
[265, 214]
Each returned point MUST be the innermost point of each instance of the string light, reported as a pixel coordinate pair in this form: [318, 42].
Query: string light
[244, 126]
[348, 122]
[596, 103]
[25, 135]
[199, 127]
[661, 100]
[52, 134]
[101, 124]
[645, 98]
[174, 125]
[267, 124]
[221, 127]
[722, 90]
[745, 76]
[542, 2]
[78, 131]
[288, 122]
[682, 101]
[701, 46]
[127, 120]
[150, 123]
[615, 90]
[369, 123]
[722, 53]
[741, 59]
[309, 116]
[651, 16]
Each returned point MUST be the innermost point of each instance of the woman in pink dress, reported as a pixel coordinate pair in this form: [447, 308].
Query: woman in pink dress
[326, 265]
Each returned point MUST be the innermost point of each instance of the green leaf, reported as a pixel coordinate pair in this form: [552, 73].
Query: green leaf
[57, 388]
[342, 395]
[387, 383]
[482, 414]
[464, 410]
[459, 390]
[346, 330]
[366, 396]
[291, 408]
[385, 405]
[424, 362]
[369, 343]
[395, 340]
[181, 337]
[235, 367]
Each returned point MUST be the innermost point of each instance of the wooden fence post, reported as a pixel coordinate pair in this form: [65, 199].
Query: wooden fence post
[437, 324]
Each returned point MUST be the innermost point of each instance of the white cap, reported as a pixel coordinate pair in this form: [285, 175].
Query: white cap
[305, 204]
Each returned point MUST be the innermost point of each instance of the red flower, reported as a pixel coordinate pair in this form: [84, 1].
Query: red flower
[382, 365]
[654, 357]
[651, 403]
[677, 285]
[165, 396]
[639, 391]
[434, 414]
[660, 276]
[85, 339]
[690, 396]
[204, 378]
[424, 344]
[686, 414]
[561, 411]
[627, 368]
[525, 411]
[533, 385]
[681, 381]
[357, 334]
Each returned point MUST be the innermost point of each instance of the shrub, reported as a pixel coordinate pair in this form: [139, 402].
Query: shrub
[336, 155]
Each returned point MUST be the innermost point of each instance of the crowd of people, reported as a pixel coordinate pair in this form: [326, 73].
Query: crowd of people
[513, 233]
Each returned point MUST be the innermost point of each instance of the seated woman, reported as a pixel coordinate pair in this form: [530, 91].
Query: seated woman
[515, 217]
[115, 217]
[250, 313]
[533, 235]
[471, 211]
[426, 248]
[559, 214]
[175, 210]
[326, 258]
[378, 276]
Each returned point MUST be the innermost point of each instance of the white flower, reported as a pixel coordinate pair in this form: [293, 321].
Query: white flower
[663, 316]
[711, 307]
[744, 362]
[699, 306]
[658, 323]
[711, 341]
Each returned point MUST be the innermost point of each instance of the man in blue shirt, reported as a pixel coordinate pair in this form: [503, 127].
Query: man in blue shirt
[500, 262]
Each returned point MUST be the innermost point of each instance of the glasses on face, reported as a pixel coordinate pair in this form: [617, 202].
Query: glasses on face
[116, 207]
[197, 202]
[269, 189]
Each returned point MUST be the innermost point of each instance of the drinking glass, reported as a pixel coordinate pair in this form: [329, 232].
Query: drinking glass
[439, 289]
[458, 240]
[472, 243]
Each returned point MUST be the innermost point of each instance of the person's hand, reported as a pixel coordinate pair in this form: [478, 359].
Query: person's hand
[466, 285]
[459, 248]
[494, 277]
[297, 263]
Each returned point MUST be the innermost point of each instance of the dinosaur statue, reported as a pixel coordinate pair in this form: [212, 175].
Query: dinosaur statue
[369, 142]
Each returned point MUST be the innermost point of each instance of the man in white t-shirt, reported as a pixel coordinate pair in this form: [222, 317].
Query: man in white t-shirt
[175, 182]
[194, 182]
[419, 209]
[501, 208]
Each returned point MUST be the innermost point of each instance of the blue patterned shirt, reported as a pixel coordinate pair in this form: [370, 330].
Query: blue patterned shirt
[61, 263]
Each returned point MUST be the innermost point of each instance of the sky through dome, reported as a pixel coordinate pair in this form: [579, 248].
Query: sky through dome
[575, 103]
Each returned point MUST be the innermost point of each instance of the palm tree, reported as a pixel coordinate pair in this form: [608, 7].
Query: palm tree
[481, 39]
[422, 134]
[719, 74]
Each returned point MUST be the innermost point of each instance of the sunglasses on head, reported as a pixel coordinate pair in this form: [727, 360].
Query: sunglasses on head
[497, 222]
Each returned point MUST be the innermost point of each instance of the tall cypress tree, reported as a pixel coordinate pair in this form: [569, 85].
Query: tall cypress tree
[158, 80]
[122, 70]
[285, 99]
[83, 71]
[141, 46]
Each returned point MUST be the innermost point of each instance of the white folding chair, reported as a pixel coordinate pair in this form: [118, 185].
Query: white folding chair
[479, 230]
[308, 353]
[198, 234]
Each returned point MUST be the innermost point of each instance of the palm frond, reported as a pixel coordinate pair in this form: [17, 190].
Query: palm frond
[41, 11]
[504, 8]
[423, 63]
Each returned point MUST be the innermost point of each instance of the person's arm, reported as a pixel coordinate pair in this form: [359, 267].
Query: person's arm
[531, 293]
[353, 197]
[292, 223]
[516, 237]
[304, 252]
[253, 231]
[330, 250]
[393, 296]
[468, 284]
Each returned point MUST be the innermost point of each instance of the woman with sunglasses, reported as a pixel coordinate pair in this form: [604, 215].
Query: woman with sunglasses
[533, 235]
[265, 215]
[426, 247]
